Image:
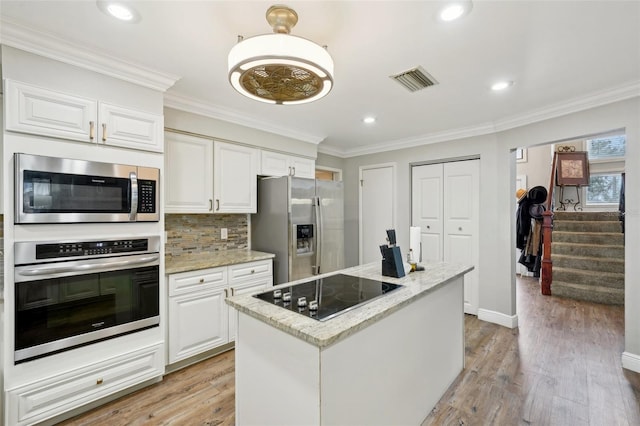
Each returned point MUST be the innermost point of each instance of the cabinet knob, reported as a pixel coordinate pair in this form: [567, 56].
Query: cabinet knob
[201, 280]
[460, 228]
[253, 271]
[294, 171]
[428, 227]
[99, 381]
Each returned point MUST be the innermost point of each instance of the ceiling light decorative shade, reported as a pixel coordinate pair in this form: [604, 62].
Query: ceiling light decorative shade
[280, 68]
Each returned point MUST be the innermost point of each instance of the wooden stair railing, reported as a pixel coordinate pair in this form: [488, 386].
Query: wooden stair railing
[546, 271]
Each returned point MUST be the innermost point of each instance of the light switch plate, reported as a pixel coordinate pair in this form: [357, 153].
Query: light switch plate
[223, 233]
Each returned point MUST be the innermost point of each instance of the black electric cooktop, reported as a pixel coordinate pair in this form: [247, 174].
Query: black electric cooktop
[324, 298]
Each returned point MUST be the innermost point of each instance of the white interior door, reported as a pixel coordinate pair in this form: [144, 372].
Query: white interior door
[377, 200]
[461, 210]
[426, 188]
[445, 205]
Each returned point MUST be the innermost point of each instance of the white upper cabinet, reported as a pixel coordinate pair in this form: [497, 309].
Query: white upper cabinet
[188, 172]
[39, 111]
[277, 164]
[129, 128]
[235, 172]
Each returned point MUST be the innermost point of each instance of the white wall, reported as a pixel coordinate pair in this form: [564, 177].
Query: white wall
[497, 201]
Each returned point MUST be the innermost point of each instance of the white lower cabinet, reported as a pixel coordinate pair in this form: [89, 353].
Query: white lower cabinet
[197, 313]
[36, 402]
[199, 319]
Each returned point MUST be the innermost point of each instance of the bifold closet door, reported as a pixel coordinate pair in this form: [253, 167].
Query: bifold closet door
[445, 204]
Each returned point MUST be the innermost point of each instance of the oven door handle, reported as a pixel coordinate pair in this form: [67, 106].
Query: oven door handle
[46, 270]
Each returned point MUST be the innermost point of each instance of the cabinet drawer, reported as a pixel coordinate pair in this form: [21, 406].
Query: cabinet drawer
[53, 396]
[251, 270]
[186, 282]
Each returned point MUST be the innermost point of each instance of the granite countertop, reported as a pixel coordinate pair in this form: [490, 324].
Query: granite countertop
[211, 259]
[323, 334]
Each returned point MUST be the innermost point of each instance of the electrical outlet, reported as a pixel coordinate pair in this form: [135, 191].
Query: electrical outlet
[223, 233]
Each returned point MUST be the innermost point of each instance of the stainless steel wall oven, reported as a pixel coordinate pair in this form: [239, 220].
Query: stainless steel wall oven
[58, 190]
[72, 293]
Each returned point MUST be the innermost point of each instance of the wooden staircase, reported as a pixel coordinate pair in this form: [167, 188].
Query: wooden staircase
[587, 251]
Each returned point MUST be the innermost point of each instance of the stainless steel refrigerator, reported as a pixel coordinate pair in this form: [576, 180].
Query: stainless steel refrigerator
[301, 221]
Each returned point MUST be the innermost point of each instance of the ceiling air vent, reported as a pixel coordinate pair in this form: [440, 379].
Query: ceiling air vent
[415, 79]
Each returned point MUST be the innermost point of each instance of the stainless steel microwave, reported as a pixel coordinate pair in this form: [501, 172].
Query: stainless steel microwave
[59, 190]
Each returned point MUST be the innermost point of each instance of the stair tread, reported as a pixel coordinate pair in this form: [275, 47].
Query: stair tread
[563, 243]
[597, 288]
[609, 259]
[585, 272]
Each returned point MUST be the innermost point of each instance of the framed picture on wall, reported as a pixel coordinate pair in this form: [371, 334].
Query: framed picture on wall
[521, 155]
[572, 168]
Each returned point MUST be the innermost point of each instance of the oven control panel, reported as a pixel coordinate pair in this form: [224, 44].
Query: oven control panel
[90, 248]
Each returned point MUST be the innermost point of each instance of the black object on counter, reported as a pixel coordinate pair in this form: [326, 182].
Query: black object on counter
[392, 265]
[324, 298]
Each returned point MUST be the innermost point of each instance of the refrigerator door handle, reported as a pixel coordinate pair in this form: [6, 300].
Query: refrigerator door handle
[316, 202]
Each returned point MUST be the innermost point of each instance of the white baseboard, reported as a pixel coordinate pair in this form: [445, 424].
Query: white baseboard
[631, 361]
[509, 321]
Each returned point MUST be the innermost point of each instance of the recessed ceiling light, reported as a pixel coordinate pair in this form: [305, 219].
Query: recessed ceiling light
[454, 10]
[369, 120]
[119, 10]
[501, 85]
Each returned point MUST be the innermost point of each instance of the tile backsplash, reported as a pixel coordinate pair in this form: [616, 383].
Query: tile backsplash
[193, 233]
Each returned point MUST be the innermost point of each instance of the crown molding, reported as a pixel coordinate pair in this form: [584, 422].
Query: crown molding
[194, 106]
[444, 136]
[593, 100]
[53, 47]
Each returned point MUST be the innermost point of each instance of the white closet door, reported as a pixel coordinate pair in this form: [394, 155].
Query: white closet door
[427, 210]
[461, 211]
[446, 205]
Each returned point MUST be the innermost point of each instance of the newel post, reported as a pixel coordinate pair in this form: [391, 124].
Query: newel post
[546, 264]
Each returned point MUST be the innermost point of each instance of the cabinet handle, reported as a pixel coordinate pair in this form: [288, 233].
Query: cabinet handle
[226, 293]
[217, 205]
[92, 130]
[104, 132]
[201, 280]
[99, 381]
[210, 205]
[233, 293]
[294, 171]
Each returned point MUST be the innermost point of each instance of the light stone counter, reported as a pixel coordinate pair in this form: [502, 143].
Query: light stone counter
[326, 333]
[205, 260]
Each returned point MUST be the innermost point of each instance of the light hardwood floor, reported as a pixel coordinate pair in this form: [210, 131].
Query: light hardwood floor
[561, 366]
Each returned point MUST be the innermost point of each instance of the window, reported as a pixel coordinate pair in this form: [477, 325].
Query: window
[607, 148]
[604, 189]
[606, 162]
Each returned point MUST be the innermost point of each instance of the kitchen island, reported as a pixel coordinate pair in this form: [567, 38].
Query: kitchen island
[385, 362]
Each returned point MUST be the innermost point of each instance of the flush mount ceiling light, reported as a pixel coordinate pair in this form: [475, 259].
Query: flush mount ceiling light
[280, 68]
[369, 120]
[119, 10]
[501, 85]
[453, 10]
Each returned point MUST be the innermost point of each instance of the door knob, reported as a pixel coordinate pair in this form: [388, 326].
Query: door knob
[460, 228]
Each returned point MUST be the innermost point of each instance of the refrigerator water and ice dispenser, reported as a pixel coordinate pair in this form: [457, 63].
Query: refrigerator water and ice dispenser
[304, 239]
